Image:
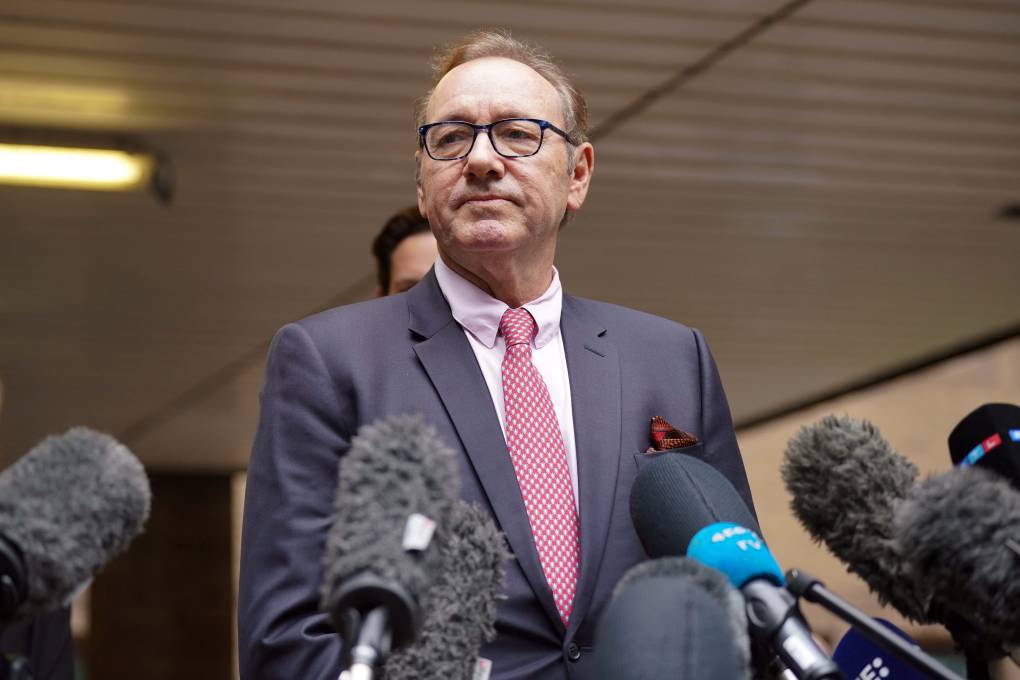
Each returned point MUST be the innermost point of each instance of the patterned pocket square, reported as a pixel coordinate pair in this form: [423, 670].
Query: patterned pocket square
[665, 436]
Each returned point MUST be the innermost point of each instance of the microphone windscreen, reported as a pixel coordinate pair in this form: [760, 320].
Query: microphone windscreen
[460, 606]
[665, 625]
[846, 482]
[859, 657]
[989, 437]
[675, 496]
[710, 581]
[395, 468]
[70, 505]
[955, 530]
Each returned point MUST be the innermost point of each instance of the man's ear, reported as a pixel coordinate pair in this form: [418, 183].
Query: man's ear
[417, 184]
[580, 176]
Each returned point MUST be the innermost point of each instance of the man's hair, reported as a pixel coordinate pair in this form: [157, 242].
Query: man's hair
[407, 222]
[499, 43]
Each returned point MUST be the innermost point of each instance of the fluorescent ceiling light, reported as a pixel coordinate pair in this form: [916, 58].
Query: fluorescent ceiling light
[75, 168]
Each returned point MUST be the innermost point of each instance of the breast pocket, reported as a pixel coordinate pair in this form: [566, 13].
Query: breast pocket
[695, 450]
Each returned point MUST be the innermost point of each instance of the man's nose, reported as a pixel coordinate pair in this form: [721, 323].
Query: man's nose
[483, 160]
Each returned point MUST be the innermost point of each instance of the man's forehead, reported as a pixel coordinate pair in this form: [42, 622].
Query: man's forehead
[494, 86]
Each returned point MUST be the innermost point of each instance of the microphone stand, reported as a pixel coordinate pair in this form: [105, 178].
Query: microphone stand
[373, 645]
[374, 616]
[803, 585]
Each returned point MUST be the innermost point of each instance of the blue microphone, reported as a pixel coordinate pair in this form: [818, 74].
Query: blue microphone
[862, 659]
[737, 552]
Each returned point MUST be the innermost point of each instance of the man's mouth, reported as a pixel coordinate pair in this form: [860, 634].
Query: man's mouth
[485, 199]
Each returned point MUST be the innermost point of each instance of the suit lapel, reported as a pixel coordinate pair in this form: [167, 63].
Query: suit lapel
[450, 363]
[594, 369]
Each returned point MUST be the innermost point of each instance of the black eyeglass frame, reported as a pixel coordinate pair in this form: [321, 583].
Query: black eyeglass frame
[542, 124]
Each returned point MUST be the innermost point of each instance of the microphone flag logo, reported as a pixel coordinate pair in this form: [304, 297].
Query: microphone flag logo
[989, 443]
[862, 659]
[737, 552]
[874, 670]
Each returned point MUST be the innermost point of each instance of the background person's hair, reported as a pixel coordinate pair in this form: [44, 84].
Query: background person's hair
[407, 222]
[499, 43]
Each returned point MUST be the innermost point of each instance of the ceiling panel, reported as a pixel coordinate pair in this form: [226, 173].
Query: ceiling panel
[814, 184]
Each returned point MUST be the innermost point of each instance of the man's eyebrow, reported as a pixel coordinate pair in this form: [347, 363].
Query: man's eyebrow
[502, 114]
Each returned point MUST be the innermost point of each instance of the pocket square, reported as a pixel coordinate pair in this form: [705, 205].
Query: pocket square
[665, 436]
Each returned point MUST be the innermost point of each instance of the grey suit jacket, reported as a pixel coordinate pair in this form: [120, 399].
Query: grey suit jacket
[331, 373]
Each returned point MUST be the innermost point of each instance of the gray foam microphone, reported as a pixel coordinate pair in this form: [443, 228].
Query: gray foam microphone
[847, 482]
[848, 485]
[960, 534]
[460, 606]
[396, 483]
[67, 507]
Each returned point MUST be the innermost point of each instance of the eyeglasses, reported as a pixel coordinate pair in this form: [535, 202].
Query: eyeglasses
[450, 140]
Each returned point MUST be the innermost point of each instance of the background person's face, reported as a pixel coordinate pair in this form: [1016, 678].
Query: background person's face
[486, 205]
[411, 261]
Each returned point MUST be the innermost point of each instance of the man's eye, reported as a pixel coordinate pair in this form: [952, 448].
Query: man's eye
[452, 137]
[518, 133]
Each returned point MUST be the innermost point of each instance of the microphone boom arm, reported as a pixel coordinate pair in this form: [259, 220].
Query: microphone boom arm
[803, 585]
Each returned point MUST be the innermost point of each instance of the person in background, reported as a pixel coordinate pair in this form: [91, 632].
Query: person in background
[404, 252]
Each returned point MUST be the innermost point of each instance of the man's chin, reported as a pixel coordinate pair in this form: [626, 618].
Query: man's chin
[488, 234]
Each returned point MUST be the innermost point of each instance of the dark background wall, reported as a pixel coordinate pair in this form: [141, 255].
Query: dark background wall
[163, 610]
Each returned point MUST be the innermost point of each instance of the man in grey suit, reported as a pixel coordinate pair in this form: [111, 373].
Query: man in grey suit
[503, 162]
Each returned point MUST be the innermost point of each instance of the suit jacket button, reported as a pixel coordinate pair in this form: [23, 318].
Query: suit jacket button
[573, 652]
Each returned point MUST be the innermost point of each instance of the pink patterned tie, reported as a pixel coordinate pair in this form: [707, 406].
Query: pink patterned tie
[540, 461]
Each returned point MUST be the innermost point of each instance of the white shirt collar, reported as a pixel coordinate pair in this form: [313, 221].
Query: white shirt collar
[479, 313]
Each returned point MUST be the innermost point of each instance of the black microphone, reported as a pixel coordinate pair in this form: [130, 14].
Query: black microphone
[683, 573]
[989, 437]
[67, 507]
[673, 618]
[960, 534]
[846, 482]
[397, 485]
[460, 606]
[681, 505]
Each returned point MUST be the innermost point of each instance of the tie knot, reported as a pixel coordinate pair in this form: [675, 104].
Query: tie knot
[517, 327]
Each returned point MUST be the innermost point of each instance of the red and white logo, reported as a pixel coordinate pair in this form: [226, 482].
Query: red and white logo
[991, 442]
